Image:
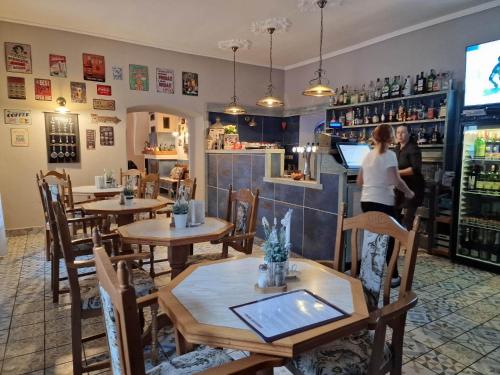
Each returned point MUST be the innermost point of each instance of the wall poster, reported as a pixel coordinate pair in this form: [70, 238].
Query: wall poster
[18, 57]
[104, 104]
[19, 137]
[138, 77]
[78, 92]
[90, 133]
[17, 116]
[165, 80]
[16, 88]
[190, 83]
[57, 64]
[43, 89]
[94, 68]
[104, 90]
[62, 137]
[107, 135]
[117, 73]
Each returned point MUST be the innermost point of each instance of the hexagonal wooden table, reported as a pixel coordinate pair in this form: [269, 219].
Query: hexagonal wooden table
[198, 302]
[159, 232]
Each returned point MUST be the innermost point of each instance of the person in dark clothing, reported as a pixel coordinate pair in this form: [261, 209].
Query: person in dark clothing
[410, 169]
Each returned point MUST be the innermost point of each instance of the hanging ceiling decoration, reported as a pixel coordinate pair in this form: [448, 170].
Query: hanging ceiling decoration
[316, 86]
[269, 100]
[312, 5]
[280, 24]
[234, 108]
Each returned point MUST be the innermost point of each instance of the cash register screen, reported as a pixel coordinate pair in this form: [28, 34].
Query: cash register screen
[353, 154]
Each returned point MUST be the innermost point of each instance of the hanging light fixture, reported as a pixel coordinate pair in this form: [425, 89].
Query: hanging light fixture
[61, 105]
[317, 88]
[269, 100]
[234, 108]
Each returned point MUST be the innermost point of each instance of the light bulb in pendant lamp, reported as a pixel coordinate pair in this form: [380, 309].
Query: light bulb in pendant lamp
[61, 105]
[270, 101]
[316, 87]
[234, 108]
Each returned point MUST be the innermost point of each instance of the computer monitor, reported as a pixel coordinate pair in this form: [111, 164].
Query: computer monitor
[353, 154]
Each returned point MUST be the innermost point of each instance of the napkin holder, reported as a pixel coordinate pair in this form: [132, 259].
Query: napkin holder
[196, 212]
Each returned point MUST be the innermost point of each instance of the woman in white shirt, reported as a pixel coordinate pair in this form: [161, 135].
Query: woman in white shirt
[378, 177]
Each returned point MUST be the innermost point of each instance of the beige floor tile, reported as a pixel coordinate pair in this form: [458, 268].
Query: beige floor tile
[64, 369]
[26, 319]
[26, 346]
[459, 353]
[23, 364]
[59, 355]
[415, 368]
[56, 339]
[25, 332]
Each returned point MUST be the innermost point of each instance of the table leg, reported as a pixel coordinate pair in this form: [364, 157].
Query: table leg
[177, 257]
[181, 345]
[124, 220]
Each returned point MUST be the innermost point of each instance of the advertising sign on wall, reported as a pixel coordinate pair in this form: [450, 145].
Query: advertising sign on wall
[57, 64]
[94, 68]
[43, 89]
[138, 77]
[165, 80]
[17, 116]
[17, 57]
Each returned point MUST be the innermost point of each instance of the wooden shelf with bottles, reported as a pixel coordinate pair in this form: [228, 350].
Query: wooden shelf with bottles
[398, 99]
[396, 123]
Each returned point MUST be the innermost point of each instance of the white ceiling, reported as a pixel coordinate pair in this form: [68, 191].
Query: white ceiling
[195, 26]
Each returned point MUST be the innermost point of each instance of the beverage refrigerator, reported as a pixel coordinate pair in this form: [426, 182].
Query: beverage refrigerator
[476, 224]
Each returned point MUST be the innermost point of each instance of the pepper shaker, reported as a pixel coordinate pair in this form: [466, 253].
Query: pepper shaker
[262, 280]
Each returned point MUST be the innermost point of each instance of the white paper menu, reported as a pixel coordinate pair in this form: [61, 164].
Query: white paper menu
[286, 314]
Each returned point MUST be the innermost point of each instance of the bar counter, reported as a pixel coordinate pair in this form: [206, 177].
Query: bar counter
[315, 203]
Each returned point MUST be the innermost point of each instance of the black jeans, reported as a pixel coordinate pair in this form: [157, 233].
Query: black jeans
[391, 211]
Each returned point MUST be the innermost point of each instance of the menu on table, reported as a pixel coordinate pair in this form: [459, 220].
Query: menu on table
[287, 314]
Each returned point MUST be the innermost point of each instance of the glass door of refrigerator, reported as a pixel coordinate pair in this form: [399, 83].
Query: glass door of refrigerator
[479, 199]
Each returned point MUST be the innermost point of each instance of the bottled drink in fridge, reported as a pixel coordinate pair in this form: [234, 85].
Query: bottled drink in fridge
[479, 146]
[477, 239]
[495, 253]
[466, 242]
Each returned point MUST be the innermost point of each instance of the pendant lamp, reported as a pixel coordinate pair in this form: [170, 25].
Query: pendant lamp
[269, 100]
[234, 108]
[316, 86]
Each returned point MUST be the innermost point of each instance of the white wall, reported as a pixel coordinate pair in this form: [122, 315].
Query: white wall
[441, 47]
[18, 165]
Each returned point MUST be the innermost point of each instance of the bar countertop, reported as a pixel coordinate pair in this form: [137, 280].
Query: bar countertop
[248, 151]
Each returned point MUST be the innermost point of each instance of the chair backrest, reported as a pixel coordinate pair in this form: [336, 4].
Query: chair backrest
[39, 182]
[131, 173]
[149, 186]
[376, 227]
[189, 187]
[120, 316]
[242, 212]
[62, 181]
[48, 198]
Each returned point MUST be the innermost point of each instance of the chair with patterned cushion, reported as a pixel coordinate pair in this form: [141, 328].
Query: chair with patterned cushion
[85, 301]
[171, 183]
[189, 187]
[241, 210]
[367, 351]
[131, 174]
[124, 337]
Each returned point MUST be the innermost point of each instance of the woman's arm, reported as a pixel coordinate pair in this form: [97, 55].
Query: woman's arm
[396, 180]
[359, 178]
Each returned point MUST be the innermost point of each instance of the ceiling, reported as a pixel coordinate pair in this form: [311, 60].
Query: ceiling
[195, 26]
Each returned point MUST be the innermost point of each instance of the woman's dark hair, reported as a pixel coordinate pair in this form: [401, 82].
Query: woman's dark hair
[383, 135]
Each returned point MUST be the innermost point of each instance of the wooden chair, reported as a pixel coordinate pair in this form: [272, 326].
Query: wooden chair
[85, 301]
[46, 217]
[131, 173]
[172, 182]
[125, 341]
[149, 186]
[189, 188]
[64, 186]
[82, 241]
[367, 352]
[242, 208]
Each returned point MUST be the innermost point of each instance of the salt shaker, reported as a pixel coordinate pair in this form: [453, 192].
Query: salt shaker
[262, 281]
[122, 198]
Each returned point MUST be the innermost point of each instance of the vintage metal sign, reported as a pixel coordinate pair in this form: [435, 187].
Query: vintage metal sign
[17, 116]
[104, 104]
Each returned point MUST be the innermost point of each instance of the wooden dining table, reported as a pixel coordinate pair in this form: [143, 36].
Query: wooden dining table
[159, 232]
[198, 301]
[89, 190]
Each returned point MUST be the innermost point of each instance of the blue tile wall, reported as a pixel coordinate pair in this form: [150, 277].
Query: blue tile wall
[266, 189]
[224, 171]
[297, 223]
[212, 207]
[266, 209]
[212, 169]
[319, 234]
[222, 197]
[242, 176]
[289, 194]
[326, 199]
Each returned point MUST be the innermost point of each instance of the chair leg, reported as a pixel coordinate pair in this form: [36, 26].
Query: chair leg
[397, 345]
[55, 278]
[225, 250]
[191, 249]
[152, 261]
[76, 338]
[47, 245]
[154, 334]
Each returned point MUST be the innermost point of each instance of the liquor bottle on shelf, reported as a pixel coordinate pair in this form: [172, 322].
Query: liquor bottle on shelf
[354, 97]
[342, 118]
[421, 136]
[481, 180]
[367, 118]
[466, 242]
[431, 111]
[378, 89]
[386, 89]
[477, 239]
[422, 111]
[340, 97]
[442, 108]
[430, 80]
[438, 82]
[436, 135]
[421, 84]
[495, 253]
[479, 146]
[392, 114]
[349, 117]
[375, 118]
[395, 88]
[382, 115]
[371, 92]
[362, 94]
[447, 81]
[363, 138]
[347, 95]
[407, 87]
[415, 85]
[401, 116]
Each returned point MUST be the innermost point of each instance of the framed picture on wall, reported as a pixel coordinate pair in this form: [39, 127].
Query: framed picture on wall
[17, 57]
[57, 64]
[190, 84]
[138, 77]
[43, 89]
[17, 116]
[16, 88]
[78, 92]
[90, 134]
[164, 80]
[19, 137]
[107, 135]
[94, 68]
[62, 137]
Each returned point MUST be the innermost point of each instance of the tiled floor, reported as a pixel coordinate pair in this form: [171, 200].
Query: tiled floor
[455, 327]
